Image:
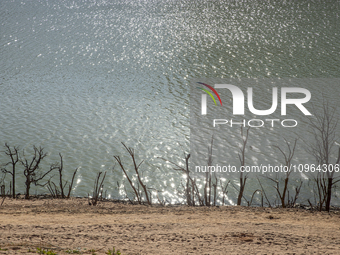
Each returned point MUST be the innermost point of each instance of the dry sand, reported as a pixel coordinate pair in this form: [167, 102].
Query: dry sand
[63, 225]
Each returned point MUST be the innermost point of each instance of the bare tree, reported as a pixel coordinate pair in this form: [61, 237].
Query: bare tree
[2, 189]
[137, 195]
[264, 194]
[13, 153]
[191, 190]
[324, 130]
[60, 170]
[224, 190]
[3, 199]
[209, 182]
[136, 168]
[288, 159]
[59, 192]
[2, 185]
[243, 178]
[32, 167]
[97, 189]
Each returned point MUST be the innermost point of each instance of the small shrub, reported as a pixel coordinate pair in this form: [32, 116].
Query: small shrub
[42, 251]
[113, 252]
[73, 251]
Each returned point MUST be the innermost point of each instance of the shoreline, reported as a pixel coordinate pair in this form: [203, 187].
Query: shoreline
[64, 226]
[19, 197]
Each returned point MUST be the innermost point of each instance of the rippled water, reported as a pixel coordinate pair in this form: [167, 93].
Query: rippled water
[79, 77]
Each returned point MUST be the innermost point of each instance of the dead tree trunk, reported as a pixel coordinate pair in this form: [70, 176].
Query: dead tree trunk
[31, 169]
[60, 170]
[136, 167]
[331, 182]
[243, 178]
[14, 156]
[324, 128]
[288, 159]
[188, 188]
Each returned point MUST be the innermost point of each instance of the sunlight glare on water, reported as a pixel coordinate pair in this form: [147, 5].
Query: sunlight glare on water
[80, 77]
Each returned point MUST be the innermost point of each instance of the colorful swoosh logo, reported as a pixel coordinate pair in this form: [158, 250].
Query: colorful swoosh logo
[208, 92]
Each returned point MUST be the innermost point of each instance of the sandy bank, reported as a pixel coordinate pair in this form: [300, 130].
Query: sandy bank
[64, 225]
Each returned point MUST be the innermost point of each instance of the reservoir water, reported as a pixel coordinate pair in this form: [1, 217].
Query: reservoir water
[80, 77]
